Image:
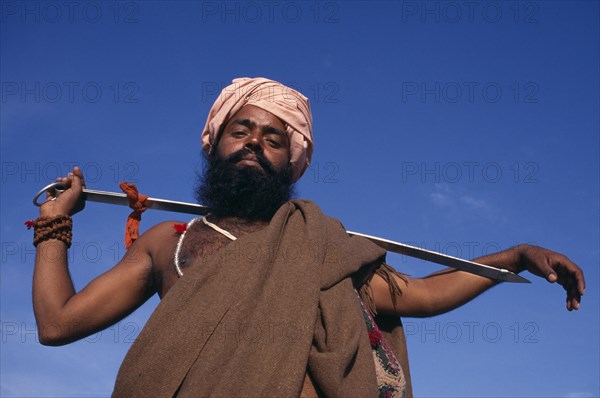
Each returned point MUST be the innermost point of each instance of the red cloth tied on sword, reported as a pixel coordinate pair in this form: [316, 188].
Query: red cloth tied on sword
[137, 202]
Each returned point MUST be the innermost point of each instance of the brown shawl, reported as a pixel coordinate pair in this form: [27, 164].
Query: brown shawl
[252, 318]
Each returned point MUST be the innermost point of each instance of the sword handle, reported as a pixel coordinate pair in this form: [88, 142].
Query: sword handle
[56, 187]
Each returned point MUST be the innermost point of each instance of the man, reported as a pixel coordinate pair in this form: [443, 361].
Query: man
[259, 298]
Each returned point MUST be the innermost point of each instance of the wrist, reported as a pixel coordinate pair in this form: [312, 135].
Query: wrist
[53, 228]
[518, 263]
[51, 211]
[51, 214]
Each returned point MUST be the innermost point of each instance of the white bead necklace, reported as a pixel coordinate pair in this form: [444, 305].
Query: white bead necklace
[180, 242]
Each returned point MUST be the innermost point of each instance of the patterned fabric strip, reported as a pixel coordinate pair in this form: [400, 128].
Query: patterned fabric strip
[390, 377]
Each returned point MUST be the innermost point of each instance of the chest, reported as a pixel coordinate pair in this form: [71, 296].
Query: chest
[199, 241]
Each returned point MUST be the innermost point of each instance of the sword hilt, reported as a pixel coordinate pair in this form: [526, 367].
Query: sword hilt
[121, 199]
[56, 187]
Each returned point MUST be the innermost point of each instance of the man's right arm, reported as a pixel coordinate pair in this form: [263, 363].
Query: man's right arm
[64, 315]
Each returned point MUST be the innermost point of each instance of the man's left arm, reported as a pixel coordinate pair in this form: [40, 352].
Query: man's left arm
[448, 289]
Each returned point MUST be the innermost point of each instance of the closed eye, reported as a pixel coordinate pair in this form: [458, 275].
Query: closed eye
[274, 143]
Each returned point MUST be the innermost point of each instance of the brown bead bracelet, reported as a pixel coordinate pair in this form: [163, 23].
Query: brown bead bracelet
[58, 227]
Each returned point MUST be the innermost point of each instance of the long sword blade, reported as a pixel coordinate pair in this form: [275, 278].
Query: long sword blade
[444, 259]
[389, 245]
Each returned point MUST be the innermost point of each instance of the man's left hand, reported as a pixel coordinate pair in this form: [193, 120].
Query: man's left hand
[554, 267]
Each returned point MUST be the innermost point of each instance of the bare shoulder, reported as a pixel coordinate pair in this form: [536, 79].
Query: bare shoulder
[160, 238]
[161, 230]
[160, 242]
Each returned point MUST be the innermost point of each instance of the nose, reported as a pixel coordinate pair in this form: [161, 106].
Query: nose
[253, 143]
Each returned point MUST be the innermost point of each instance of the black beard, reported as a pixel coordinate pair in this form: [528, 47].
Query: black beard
[250, 193]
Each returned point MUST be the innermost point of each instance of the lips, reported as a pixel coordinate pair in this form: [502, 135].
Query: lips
[249, 160]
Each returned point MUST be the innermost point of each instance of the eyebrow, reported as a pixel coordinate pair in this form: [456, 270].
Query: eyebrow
[267, 128]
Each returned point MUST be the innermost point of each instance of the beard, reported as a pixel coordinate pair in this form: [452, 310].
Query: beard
[251, 193]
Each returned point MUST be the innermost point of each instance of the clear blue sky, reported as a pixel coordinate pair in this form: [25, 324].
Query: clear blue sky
[465, 127]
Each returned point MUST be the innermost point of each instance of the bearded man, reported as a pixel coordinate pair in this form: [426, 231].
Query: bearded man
[267, 296]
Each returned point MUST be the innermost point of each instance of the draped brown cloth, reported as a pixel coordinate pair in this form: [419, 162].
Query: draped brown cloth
[251, 319]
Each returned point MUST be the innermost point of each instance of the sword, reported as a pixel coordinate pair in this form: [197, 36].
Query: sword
[115, 198]
[389, 245]
[472, 267]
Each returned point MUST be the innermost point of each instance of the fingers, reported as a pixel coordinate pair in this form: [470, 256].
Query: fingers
[79, 174]
[73, 180]
[578, 273]
[73, 184]
[548, 271]
[65, 181]
[49, 197]
[573, 296]
[557, 268]
[77, 171]
[573, 303]
[570, 276]
[76, 178]
[68, 201]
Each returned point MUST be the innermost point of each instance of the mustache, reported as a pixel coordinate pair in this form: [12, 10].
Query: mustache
[262, 160]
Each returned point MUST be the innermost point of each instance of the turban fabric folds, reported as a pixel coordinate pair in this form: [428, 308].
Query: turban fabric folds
[290, 106]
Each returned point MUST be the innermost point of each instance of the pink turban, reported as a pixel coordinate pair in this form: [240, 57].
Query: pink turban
[290, 106]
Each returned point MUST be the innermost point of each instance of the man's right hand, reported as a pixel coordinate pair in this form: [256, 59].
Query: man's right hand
[70, 201]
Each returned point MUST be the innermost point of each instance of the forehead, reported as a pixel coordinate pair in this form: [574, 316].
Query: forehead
[258, 116]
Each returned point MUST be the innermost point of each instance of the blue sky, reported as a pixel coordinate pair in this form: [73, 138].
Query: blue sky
[463, 127]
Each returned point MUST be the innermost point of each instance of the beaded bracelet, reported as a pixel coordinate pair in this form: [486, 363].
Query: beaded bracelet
[59, 227]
